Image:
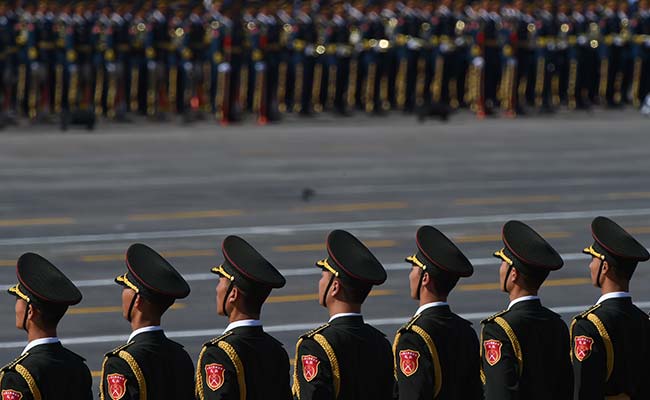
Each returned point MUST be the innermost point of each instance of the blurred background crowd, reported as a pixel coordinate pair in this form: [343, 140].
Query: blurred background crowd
[77, 61]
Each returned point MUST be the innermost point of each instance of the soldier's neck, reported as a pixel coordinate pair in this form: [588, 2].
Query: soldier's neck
[518, 291]
[338, 307]
[39, 333]
[427, 297]
[610, 286]
[138, 322]
[236, 315]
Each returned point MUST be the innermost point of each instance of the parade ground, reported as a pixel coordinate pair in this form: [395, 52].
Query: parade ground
[81, 198]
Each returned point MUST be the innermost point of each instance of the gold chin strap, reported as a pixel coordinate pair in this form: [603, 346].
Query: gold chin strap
[327, 266]
[123, 279]
[502, 256]
[590, 250]
[219, 270]
[414, 260]
[16, 290]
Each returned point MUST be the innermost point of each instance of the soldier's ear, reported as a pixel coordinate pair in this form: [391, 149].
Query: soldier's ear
[426, 278]
[335, 289]
[605, 268]
[234, 294]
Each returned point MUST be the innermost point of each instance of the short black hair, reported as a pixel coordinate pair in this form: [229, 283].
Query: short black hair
[533, 281]
[444, 283]
[252, 301]
[50, 316]
[355, 293]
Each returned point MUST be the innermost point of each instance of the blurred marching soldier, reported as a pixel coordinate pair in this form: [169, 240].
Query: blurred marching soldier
[45, 369]
[219, 73]
[137, 61]
[346, 358]
[377, 45]
[614, 31]
[565, 49]
[358, 66]
[286, 67]
[26, 51]
[6, 38]
[609, 346]
[271, 30]
[627, 56]
[158, 52]
[46, 44]
[235, 39]
[304, 43]
[10, 18]
[525, 55]
[641, 88]
[437, 352]
[194, 80]
[318, 51]
[593, 53]
[178, 62]
[508, 37]
[79, 59]
[408, 45]
[389, 16]
[104, 57]
[491, 46]
[244, 362]
[445, 69]
[547, 79]
[248, 72]
[475, 73]
[149, 365]
[62, 77]
[118, 72]
[339, 38]
[582, 71]
[461, 55]
[525, 349]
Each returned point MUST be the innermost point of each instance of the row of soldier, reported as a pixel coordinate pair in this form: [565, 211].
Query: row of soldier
[524, 352]
[224, 59]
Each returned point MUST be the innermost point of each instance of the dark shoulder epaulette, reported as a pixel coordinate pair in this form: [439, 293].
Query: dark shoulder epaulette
[588, 311]
[15, 362]
[494, 316]
[314, 331]
[409, 324]
[213, 342]
[117, 350]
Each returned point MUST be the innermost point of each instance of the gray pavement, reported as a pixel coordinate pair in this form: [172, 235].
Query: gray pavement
[81, 198]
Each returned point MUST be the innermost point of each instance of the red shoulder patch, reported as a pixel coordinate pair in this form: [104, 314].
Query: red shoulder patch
[408, 361]
[116, 386]
[214, 376]
[11, 395]
[582, 347]
[309, 367]
[492, 351]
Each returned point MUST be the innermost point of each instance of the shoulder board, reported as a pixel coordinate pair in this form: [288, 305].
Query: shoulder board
[409, 324]
[315, 331]
[16, 361]
[587, 312]
[216, 340]
[494, 316]
[116, 350]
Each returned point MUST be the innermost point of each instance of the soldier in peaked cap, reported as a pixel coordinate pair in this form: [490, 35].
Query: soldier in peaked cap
[45, 369]
[436, 352]
[345, 359]
[610, 346]
[149, 366]
[244, 362]
[525, 349]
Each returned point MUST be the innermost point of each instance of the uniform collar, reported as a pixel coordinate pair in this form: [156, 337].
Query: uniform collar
[243, 322]
[153, 328]
[522, 298]
[349, 314]
[613, 295]
[430, 305]
[38, 342]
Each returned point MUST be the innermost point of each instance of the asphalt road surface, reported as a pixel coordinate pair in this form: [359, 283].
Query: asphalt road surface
[80, 199]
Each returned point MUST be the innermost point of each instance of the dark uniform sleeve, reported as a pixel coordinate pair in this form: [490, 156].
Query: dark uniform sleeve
[471, 386]
[314, 382]
[117, 368]
[416, 374]
[501, 372]
[219, 380]
[589, 362]
[12, 381]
